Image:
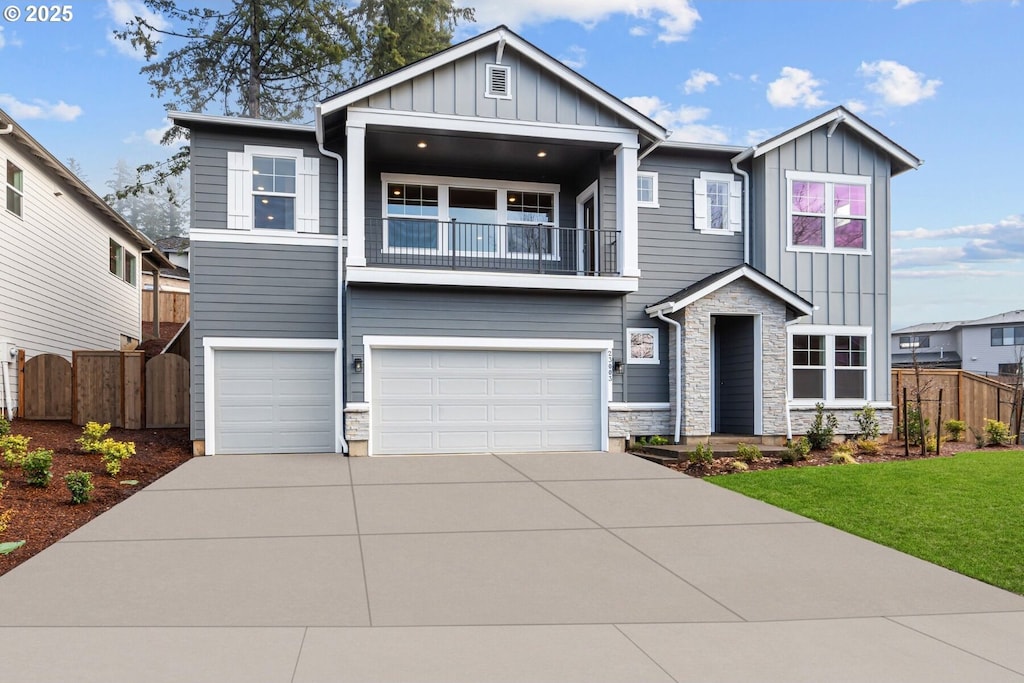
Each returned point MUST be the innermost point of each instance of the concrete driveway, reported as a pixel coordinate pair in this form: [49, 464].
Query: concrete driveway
[541, 567]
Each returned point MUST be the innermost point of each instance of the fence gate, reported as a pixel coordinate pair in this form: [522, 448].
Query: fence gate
[167, 391]
[44, 389]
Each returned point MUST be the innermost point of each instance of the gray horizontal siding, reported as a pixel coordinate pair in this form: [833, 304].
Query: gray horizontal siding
[476, 313]
[270, 291]
[209, 174]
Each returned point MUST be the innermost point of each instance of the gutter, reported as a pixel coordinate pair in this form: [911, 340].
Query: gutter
[679, 372]
[743, 156]
[341, 277]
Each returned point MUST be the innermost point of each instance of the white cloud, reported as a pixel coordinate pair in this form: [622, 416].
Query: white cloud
[683, 120]
[699, 81]
[3, 41]
[150, 135]
[925, 256]
[856, 106]
[795, 88]
[39, 109]
[943, 273]
[898, 85]
[1009, 226]
[900, 4]
[675, 19]
[575, 57]
[758, 135]
[123, 11]
[637, 31]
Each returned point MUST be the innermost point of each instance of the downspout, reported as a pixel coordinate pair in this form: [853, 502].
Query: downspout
[743, 156]
[7, 129]
[341, 275]
[679, 372]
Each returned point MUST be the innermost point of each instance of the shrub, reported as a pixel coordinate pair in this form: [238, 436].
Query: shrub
[14, 446]
[867, 423]
[6, 515]
[738, 466]
[869, 446]
[796, 450]
[955, 429]
[702, 455]
[823, 429]
[842, 458]
[748, 452]
[845, 447]
[997, 433]
[930, 444]
[657, 440]
[36, 467]
[5, 426]
[79, 484]
[92, 436]
[114, 452]
[914, 425]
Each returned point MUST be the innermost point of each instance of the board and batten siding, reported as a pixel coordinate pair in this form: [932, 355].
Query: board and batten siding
[672, 256]
[846, 289]
[57, 293]
[258, 291]
[476, 313]
[209, 173]
[457, 88]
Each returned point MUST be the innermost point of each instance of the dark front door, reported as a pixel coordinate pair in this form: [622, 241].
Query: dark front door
[590, 249]
[734, 374]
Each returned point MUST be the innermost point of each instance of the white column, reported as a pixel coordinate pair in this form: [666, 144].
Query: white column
[355, 134]
[626, 209]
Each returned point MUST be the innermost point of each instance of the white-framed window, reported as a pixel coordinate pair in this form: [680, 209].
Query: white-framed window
[130, 268]
[830, 364]
[828, 212]
[647, 189]
[469, 217]
[123, 263]
[273, 189]
[643, 345]
[15, 189]
[915, 341]
[116, 259]
[499, 82]
[717, 203]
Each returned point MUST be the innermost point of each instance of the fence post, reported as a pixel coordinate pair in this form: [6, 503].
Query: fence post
[938, 427]
[906, 427]
[21, 383]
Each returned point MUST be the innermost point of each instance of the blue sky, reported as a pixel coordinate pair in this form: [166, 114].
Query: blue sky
[942, 78]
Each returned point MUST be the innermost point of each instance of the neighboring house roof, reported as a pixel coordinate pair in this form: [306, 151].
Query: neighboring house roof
[841, 115]
[700, 289]
[173, 244]
[1008, 318]
[499, 37]
[930, 327]
[935, 358]
[73, 182]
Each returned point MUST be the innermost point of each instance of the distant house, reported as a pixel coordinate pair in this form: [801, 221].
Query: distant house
[70, 266]
[988, 346]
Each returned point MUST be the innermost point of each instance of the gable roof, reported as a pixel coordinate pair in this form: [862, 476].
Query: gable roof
[931, 327]
[905, 161]
[498, 37]
[700, 289]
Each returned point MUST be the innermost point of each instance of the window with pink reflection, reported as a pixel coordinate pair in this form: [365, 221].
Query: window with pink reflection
[828, 211]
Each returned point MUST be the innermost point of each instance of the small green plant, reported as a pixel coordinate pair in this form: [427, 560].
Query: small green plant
[92, 437]
[738, 466]
[79, 484]
[796, 451]
[997, 433]
[842, 458]
[845, 447]
[36, 467]
[869, 446]
[5, 426]
[914, 425]
[867, 423]
[114, 453]
[955, 429]
[14, 447]
[5, 515]
[823, 429]
[639, 442]
[930, 444]
[657, 440]
[748, 452]
[703, 455]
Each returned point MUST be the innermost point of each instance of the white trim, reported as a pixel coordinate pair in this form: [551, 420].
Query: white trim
[213, 344]
[654, 202]
[758, 375]
[489, 70]
[626, 212]
[830, 332]
[409, 276]
[189, 117]
[475, 44]
[265, 237]
[655, 333]
[829, 180]
[373, 341]
[591, 192]
[482, 183]
[478, 124]
[355, 178]
[631, 407]
[754, 276]
[734, 210]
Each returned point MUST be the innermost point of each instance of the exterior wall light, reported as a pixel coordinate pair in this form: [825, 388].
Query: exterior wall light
[619, 367]
[357, 364]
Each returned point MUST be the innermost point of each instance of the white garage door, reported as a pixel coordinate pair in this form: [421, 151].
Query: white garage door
[274, 402]
[459, 401]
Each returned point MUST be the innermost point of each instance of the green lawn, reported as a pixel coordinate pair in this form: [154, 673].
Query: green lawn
[965, 513]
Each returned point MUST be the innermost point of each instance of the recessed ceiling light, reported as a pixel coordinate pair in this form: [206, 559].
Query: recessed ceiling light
[265, 201]
[260, 187]
[421, 144]
[270, 218]
[542, 154]
[397, 193]
[255, 172]
[511, 199]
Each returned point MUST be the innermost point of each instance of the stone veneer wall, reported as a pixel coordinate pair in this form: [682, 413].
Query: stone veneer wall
[803, 416]
[357, 422]
[737, 298]
[625, 420]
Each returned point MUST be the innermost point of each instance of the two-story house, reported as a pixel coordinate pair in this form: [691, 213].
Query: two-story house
[485, 251]
[70, 265]
[992, 346]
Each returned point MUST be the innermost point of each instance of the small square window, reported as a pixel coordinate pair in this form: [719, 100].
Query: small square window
[643, 345]
[647, 190]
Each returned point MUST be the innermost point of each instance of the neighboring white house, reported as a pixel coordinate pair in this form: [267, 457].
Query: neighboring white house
[70, 266]
[988, 346]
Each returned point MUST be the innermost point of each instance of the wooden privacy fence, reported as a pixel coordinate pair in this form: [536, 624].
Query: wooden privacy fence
[118, 387]
[965, 396]
[173, 306]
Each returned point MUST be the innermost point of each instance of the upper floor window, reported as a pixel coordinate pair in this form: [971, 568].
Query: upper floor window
[123, 263]
[15, 189]
[918, 341]
[829, 364]
[647, 189]
[273, 188]
[716, 203]
[828, 212]
[1007, 336]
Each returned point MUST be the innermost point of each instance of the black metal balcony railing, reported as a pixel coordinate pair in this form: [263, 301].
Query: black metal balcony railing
[516, 248]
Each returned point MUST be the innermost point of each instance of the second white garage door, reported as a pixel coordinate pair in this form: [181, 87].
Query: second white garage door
[462, 401]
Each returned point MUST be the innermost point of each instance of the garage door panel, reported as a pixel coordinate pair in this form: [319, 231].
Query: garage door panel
[463, 386]
[519, 439]
[414, 441]
[407, 386]
[568, 413]
[518, 387]
[565, 439]
[461, 360]
[517, 361]
[406, 412]
[518, 413]
[466, 413]
[462, 441]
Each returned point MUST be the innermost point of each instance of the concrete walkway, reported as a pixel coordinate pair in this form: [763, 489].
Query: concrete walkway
[544, 567]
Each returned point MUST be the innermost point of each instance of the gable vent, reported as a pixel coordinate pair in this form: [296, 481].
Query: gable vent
[499, 81]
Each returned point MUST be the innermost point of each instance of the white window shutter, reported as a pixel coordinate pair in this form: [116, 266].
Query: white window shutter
[700, 204]
[307, 196]
[736, 206]
[239, 191]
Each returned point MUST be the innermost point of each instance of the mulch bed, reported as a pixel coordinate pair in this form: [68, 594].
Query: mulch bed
[43, 516]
